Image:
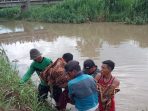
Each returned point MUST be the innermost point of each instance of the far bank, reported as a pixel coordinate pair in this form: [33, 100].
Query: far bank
[82, 11]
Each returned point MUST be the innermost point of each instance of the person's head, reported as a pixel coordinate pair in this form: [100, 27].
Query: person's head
[107, 67]
[67, 57]
[72, 68]
[35, 55]
[89, 66]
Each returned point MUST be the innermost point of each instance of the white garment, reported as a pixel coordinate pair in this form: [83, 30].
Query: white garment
[92, 109]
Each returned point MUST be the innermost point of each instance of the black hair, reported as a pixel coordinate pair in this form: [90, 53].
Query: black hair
[88, 63]
[72, 65]
[67, 57]
[109, 63]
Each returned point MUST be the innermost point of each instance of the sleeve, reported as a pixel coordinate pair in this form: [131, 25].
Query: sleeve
[70, 90]
[71, 93]
[27, 75]
[50, 61]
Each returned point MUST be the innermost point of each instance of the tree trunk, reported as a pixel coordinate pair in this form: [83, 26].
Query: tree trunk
[25, 6]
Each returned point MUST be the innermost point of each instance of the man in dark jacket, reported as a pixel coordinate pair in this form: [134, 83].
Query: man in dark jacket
[90, 68]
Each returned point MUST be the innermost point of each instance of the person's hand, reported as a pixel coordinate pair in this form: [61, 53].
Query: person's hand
[98, 86]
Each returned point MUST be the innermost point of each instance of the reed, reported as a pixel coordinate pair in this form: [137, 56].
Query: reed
[15, 97]
[138, 13]
[80, 11]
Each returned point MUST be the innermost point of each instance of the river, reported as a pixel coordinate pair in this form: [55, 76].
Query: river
[126, 45]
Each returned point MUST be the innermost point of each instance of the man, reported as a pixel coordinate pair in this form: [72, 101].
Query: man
[82, 88]
[89, 67]
[55, 76]
[55, 71]
[107, 85]
[39, 64]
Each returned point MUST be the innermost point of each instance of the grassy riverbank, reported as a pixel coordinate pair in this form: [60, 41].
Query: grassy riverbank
[14, 97]
[80, 11]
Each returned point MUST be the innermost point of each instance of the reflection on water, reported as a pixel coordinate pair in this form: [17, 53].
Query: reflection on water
[127, 45]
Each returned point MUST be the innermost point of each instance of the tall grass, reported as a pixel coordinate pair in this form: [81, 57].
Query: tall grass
[138, 13]
[70, 11]
[11, 13]
[79, 11]
[15, 97]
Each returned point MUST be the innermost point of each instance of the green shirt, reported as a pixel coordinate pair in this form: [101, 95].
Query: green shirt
[38, 67]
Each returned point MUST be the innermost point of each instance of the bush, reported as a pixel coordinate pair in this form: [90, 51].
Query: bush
[9, 12]
[79, 11]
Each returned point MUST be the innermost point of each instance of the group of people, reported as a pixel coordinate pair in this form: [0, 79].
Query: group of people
[89, 89]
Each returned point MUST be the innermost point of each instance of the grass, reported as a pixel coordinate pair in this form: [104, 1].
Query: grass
[14, 97]
[80, 11]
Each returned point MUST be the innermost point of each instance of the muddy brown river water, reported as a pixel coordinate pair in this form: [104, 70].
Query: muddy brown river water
[126, 45]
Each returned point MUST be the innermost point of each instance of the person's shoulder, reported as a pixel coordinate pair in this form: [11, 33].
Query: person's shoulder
[32, 64]
[70, 83]
[47, 59]
[97, 77]
[88, 76]
[115, 79]
[75, 80]
[116, 82]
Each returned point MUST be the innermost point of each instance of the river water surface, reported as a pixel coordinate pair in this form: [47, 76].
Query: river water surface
[126, 45]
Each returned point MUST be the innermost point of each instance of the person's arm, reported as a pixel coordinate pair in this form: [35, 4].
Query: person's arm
[27, 75]
[97, 77]
[116, 83]
[71, 94]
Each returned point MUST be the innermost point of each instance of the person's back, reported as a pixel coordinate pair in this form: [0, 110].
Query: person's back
[55, 73]
[82, 88]
[85, 93]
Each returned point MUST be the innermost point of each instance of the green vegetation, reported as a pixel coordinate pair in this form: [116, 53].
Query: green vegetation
[14, 97]
[138, 13]
[79, 11]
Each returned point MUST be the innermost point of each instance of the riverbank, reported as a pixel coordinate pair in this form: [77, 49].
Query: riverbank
[80, 11]
[14, 97]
